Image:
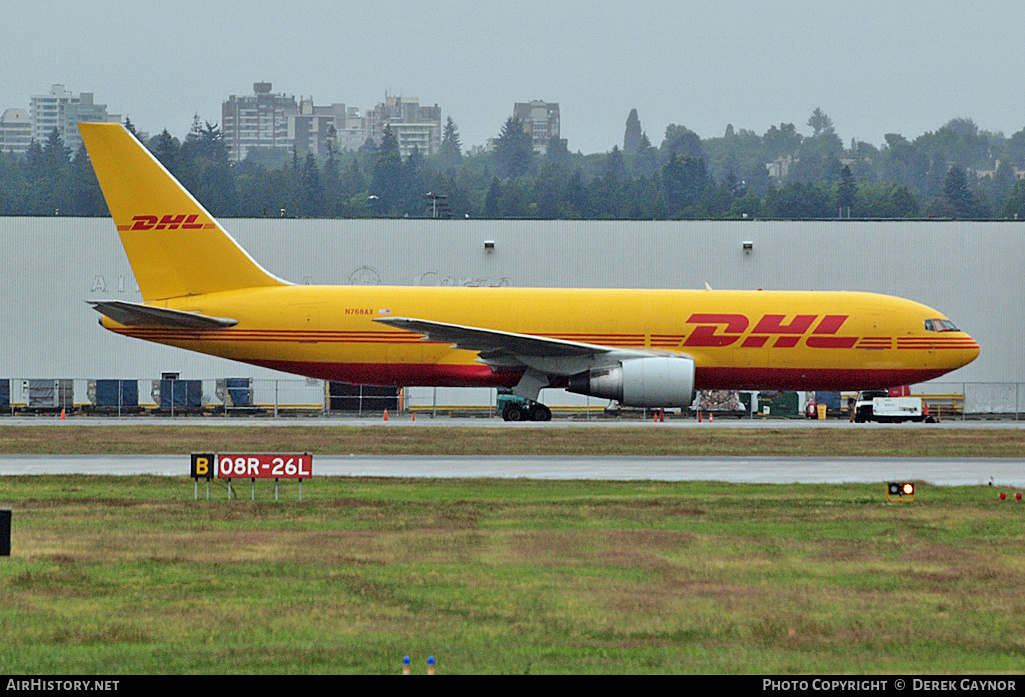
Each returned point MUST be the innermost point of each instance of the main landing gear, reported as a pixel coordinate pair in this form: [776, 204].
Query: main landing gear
[526, 411]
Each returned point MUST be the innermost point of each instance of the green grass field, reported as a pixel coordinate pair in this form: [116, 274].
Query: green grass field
[422, 439]
[130, 575]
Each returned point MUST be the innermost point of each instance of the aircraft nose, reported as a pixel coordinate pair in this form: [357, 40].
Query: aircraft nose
[970, 350]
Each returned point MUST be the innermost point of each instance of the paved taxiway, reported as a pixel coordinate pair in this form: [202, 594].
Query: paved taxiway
[771, 470]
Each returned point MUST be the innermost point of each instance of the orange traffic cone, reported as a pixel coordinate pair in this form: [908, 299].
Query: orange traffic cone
[63, 417]
[385, 414]
[711, 418]
[413, 415]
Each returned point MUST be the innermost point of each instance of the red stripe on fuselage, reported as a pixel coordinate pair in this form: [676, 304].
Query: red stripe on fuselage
[479, 375]
[401, 374]
[833, 379]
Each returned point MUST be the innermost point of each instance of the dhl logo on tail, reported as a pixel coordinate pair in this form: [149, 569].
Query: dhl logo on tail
[167, 222]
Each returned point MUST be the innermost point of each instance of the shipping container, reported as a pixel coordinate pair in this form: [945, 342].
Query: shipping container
[47, 393]
[180, 395]
[115, 394]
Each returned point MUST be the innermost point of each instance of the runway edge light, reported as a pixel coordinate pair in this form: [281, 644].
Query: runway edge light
[900, 491]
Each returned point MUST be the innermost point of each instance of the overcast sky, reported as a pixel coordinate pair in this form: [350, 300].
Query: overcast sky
[874, 66]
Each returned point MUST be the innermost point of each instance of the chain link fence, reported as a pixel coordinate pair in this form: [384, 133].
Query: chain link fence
[171, 396]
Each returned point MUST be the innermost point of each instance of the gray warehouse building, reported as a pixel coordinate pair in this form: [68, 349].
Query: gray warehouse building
[967, 270]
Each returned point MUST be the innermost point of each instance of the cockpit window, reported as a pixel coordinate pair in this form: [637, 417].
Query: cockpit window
[940, 325]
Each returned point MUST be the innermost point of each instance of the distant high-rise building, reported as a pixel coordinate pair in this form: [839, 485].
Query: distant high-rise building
[49, 111]
[15, 131]
[415, 127]
[259, 120]
[540, 120]
[85, 111]
[62, 110]
[314, 128]
[353, 134]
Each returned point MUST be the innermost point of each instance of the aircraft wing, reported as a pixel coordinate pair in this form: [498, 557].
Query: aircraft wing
[137, 313]
[492, 340]
[541, 358]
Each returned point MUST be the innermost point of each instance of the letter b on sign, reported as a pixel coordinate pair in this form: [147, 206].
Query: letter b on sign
[203, 466]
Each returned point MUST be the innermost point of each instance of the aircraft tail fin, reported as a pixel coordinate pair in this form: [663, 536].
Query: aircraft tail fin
[176, 248]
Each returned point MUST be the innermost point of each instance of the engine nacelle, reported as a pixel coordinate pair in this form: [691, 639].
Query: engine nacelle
[655, 381]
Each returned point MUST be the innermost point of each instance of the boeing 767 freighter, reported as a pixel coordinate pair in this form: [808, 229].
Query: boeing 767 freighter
[649, 348]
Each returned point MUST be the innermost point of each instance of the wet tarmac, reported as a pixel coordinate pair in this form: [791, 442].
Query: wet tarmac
[771, 470]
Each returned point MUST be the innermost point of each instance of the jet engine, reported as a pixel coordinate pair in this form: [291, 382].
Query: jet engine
[655, 381]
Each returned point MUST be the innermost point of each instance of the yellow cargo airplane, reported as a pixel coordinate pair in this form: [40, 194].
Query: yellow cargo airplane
[650, 348]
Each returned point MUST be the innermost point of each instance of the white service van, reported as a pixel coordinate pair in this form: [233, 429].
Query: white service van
[878, 405]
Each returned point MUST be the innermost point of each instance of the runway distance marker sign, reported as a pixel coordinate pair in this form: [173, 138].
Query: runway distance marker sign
[265, 466]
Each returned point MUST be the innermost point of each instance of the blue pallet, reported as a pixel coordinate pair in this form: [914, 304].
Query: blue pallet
[238, 391]
[117, 393]
[181, 394]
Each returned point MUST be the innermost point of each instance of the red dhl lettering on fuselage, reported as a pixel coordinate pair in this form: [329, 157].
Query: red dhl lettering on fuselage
[166, 222]
[733, 327]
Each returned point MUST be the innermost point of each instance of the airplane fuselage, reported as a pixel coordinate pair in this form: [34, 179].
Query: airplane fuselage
[790, 340]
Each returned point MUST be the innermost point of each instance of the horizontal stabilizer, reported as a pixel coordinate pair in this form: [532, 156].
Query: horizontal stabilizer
[136, 313]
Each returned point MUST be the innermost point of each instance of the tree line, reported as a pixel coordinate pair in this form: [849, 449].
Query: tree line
[780, 174]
